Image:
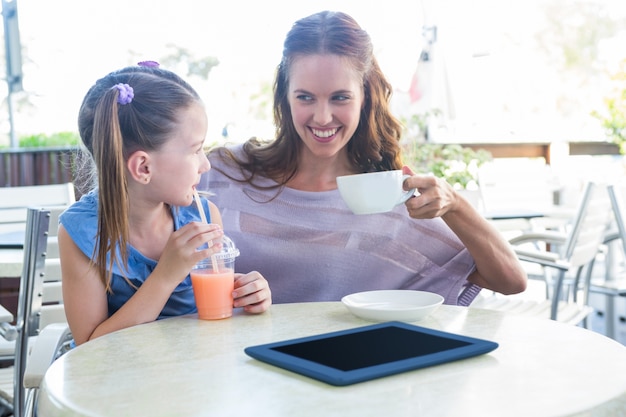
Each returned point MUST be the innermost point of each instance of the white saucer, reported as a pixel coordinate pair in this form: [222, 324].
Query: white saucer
[386, 305]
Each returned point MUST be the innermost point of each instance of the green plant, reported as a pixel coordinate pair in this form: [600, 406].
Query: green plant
[614, 118]
[457, 164]
[416, 126]
[55, 139]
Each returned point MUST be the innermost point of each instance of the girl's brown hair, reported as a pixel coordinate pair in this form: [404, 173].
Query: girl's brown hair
[111, 132]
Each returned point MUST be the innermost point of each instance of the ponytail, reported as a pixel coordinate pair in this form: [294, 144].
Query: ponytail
[113, 202]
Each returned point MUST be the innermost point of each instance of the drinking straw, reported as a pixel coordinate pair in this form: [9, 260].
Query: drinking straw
[204, 220]
[199, 205]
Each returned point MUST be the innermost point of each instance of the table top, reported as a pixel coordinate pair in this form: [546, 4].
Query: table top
[509, 214]
[5, 315]
[11, 262]
[12, 240]
[189, 367]
[12, 235]
[11, 249]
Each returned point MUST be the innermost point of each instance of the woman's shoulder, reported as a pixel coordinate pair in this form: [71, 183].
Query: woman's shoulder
[228, 154]
[225, 161]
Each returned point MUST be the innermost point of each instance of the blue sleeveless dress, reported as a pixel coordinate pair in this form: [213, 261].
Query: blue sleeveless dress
[81, 222]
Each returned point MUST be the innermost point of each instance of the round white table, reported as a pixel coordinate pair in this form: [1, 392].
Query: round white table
[189, 367]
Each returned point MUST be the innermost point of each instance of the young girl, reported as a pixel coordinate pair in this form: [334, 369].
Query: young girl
[127, 246]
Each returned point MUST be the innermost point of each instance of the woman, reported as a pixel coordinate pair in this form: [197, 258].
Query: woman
[280, 201]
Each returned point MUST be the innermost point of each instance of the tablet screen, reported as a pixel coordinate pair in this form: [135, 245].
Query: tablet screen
[360, 354]
[368, 348]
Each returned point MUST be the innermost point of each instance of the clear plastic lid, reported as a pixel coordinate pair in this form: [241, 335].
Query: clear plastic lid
[229, 250]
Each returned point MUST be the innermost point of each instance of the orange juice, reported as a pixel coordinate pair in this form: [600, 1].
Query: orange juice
[213, 292]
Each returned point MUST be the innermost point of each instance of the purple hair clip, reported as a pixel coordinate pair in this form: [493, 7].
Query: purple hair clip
[149, 64]
[126, 93]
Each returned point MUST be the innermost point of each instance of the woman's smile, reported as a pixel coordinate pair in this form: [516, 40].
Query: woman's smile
[324, 135]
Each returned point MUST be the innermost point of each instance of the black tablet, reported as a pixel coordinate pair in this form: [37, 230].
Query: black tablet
[360, 354]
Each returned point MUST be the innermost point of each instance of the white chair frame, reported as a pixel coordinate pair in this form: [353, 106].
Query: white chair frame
[55, 338]
[579, 247]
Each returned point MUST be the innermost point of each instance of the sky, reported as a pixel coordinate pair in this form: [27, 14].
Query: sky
[69, 44]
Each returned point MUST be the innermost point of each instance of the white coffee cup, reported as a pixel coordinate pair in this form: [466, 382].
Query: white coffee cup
[373, 192]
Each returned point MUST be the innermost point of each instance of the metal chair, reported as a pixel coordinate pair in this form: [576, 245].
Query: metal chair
[567, 296]
[40, 303]
[53, 275]
[613, 283]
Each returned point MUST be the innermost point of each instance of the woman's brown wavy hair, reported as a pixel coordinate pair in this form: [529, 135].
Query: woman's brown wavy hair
[375, 145]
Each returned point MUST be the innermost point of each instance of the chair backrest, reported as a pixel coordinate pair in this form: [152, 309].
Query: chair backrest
[586, 236]
[577, 251]
[589, 226]
[40, 301]
[15, 200]
[52, 309]
[617, 203]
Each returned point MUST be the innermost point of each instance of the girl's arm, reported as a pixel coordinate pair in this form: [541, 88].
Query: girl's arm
[85, 297]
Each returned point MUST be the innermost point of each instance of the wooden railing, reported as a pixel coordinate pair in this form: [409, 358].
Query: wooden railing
[536, 150]
[37, 166]
[42, 166]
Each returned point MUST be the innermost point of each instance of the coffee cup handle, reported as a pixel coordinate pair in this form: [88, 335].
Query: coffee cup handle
[406, 194]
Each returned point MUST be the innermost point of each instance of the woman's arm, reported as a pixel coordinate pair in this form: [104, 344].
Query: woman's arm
[497, 266]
